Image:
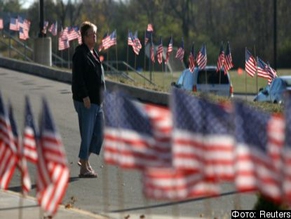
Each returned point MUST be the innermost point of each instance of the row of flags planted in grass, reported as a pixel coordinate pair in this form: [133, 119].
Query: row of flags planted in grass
[189, 149]
[43, 149]
[252, 65]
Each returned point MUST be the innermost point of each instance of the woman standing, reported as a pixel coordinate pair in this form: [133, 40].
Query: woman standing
[88, 84]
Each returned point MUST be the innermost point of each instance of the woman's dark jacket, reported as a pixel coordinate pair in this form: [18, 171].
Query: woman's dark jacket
[87, 75]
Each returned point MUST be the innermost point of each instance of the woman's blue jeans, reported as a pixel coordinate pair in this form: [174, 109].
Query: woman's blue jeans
[91, 123]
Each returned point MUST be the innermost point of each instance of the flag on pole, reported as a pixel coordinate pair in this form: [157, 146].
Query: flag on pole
[52, 166]
[250, 63]
[192, 59]
[109, 41]
[254, 169]
[21, 164]
[180, 52]
[152, 52]
[13, 25]
[54, 28]
[136, 45]
[202, 57]
[136, 141]
[202, 138]
[29, 134]
[160, 51]
[264, 71]
[8, 150]
[221, 58]
[228, 59]
[169, 49]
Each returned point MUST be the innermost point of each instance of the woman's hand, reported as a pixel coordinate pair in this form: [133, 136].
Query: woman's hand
[87, 102]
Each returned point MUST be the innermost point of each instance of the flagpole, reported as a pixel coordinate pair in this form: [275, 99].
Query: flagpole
[256, 69]
[144, 57]
[127, 52]
[116, 56]
[246, 80]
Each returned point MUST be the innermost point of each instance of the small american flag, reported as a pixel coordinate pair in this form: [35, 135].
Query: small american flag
[221, 58]
[136, 45]
[24, 26]
[180, 52]
[109, 41]
[54, 28]
[254, 169]
[250, 63]
[8, 149]
[192, 59]
[228, 59]
[136, 135]
[73, 33]
[29, 134]
[202, 57]
[13, 25]
[160, 51]
[52, 167]
[202, 137]
[129, 38]
[169, 49]
[1, 24]
[21, 164]
[264, 71]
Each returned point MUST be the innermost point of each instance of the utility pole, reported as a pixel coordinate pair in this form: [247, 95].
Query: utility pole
[41, 19]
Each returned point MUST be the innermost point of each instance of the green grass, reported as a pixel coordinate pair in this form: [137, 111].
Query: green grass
[242, 83]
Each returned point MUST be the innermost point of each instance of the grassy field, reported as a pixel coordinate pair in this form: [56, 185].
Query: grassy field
[242, 83]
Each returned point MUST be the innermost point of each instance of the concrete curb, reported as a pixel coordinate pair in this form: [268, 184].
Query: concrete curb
[66, 77]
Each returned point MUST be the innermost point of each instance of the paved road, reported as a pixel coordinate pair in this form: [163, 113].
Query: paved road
[115, 191]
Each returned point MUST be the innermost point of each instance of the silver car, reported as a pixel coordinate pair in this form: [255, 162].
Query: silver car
[274, 93]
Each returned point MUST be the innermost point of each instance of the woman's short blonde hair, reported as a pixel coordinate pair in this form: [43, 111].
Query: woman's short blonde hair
[86, 25]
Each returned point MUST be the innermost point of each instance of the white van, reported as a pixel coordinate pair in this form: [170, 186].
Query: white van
[206, 80]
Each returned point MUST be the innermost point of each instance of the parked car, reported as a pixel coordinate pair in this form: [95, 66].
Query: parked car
[205, 80]
[274, 93]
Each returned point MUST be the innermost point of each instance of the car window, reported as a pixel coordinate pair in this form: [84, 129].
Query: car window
[212, 77]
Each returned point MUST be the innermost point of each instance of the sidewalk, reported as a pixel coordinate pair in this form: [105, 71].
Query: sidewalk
[10, 203]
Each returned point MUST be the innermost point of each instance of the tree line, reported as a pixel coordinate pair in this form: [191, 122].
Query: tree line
[243, 23]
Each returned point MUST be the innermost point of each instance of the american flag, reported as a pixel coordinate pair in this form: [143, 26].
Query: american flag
[160, 51]
[264, 71]
[52, 167]
[228, 59]
[254, 169]
[21, 164]
[180, 52]
[1, 24]
[148, 33]
[29, 134]
[192, 59]
[13, 25]
[24, 26]
[135, 141]
[8, 150]
[202, 137]
[202, 57]
[73, 33]
[105, 37]
[173, 184]
[63, 44]
[109, 41]
[129, 38]
[136, 45]
[221, 59]
[169, 49]
[286, 185]
[45, 26]
[250, 63]
[54, 28]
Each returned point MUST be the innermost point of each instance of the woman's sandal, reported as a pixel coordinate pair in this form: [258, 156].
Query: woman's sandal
[88, 174]
[89, 167]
